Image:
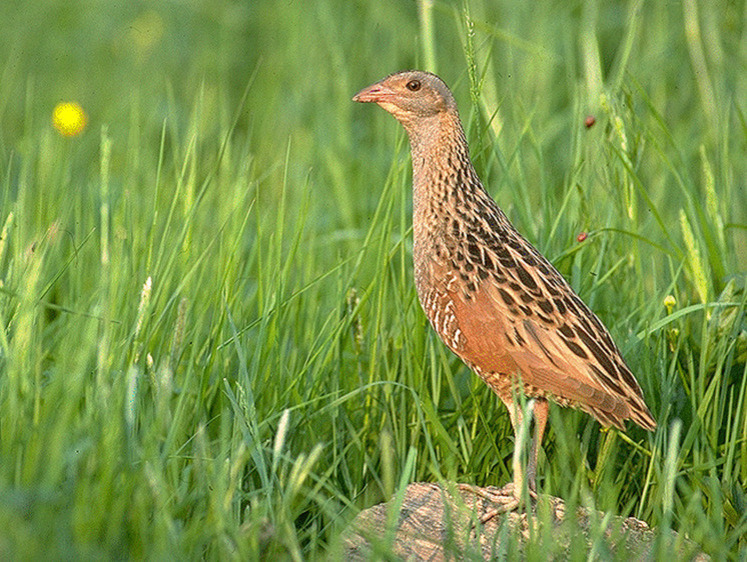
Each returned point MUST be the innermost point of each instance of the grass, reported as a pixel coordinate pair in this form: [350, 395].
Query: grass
[211, 345]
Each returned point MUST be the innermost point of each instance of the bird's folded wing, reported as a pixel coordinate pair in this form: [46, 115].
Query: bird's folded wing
[552, 341]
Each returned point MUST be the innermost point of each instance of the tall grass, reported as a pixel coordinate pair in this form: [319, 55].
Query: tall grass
[211, 346]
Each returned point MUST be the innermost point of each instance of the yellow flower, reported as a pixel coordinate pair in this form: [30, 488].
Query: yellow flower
[69, 118]
[669, 302]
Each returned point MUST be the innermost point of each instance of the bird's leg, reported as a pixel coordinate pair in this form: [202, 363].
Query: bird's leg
[508, 498]
[541, 410]
[502, 501]
[521, 424]
[520, 429]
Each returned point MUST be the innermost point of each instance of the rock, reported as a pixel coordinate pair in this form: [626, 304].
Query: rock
[457, 522]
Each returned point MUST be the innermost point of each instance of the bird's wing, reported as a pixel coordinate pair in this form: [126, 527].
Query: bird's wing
[524, 319]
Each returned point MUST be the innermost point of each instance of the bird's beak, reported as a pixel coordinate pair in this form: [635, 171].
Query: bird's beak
[375, 93]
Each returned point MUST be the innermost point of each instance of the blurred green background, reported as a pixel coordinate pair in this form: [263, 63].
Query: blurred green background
[276, 375]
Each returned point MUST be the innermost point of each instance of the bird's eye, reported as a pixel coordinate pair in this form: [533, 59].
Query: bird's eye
[413, 85]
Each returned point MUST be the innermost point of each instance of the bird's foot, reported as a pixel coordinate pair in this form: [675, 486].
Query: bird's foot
[501, 500]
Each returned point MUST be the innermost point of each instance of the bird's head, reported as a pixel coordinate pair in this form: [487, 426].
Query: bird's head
[410, 96]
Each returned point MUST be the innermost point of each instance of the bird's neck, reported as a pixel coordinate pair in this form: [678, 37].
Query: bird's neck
[441, 166]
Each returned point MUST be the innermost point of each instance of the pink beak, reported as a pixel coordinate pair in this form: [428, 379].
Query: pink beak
[374, 93]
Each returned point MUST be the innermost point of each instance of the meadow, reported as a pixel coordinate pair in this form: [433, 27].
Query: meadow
[210, 341]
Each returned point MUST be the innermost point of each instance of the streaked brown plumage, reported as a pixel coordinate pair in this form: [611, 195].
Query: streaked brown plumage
[493, 299]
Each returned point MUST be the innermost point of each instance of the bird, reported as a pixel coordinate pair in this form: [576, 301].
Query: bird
[490, 295]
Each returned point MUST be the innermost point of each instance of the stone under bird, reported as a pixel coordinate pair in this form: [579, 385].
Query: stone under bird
[493, 299]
